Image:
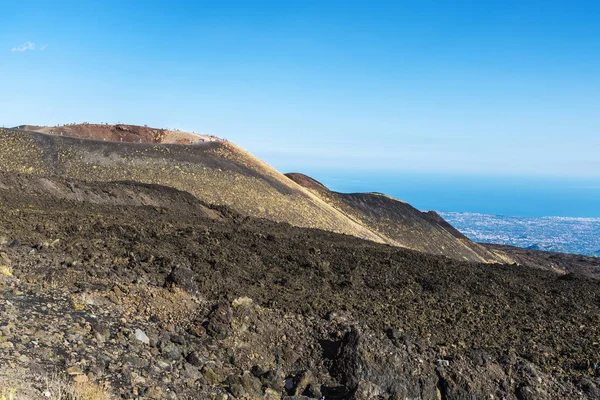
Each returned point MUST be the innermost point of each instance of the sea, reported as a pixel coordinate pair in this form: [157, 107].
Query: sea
[547, 213]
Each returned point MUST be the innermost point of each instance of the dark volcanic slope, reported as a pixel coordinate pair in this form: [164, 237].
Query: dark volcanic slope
[479, 330]
[402, 223]
[559, 262]
[34, 188]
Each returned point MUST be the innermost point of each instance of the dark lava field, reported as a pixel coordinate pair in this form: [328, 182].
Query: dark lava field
[149, 293]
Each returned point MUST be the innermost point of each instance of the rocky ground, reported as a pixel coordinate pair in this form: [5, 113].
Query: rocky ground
[575, 264]
[167, 300]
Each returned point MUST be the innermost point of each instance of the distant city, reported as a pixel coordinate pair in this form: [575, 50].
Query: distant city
[559, 234]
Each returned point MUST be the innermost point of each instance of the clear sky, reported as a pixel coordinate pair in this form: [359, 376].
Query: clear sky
[504, 87]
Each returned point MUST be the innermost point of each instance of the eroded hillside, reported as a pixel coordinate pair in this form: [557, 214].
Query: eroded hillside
[220, 173]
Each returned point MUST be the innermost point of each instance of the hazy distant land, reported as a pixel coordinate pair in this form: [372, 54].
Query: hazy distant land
[561, 234]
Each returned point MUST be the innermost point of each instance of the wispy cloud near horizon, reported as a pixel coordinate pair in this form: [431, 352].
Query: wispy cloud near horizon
[28, 46]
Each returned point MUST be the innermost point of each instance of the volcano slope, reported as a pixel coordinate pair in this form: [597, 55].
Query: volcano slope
[402, 223]
[558, 262]
[218, 172]
[147, 292]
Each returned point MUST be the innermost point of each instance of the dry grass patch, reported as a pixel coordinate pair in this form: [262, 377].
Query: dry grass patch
[6, 270]
[8, 394]
[5, 265]
[59, 388]
[88, 391]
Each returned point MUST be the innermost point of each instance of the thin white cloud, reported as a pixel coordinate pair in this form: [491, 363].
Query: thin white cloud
[28, 46]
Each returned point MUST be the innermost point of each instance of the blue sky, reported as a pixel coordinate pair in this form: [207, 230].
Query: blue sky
[482, 87]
